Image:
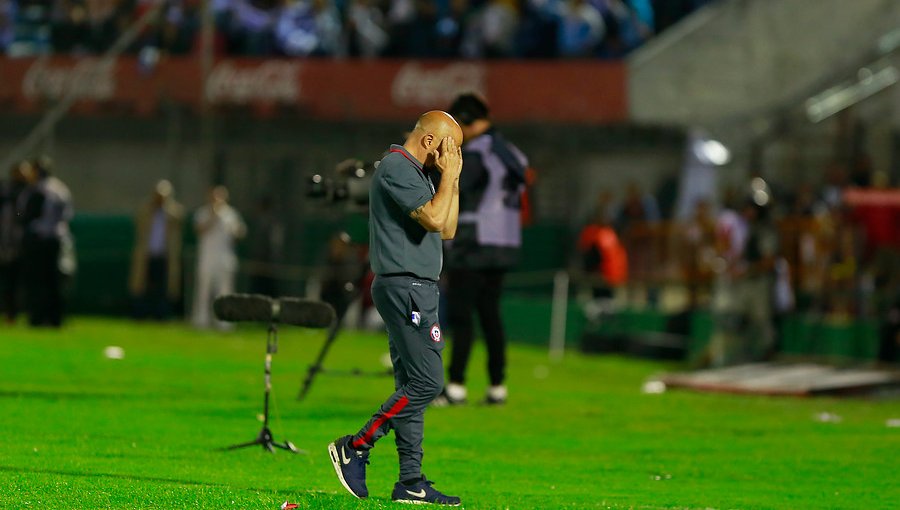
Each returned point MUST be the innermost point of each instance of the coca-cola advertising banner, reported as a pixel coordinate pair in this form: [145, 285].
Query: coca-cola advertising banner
[582, 92]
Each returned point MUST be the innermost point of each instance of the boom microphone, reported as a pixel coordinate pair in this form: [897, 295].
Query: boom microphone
[306, 313]
[244, 308]
[287, 310]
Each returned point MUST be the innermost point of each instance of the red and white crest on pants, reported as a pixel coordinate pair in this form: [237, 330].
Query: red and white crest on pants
[436, 333]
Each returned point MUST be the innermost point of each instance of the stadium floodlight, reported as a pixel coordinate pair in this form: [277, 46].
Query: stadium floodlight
[287, 310]
[711, 152]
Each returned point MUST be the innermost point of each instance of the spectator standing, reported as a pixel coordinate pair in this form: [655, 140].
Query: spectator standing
[603, 254]
[731, 238]
[638, 208]
[219, 226]
[11, 241]
[637, 222]
[697, 240]
[743, 302]
[155, 281]
[45, 209]
[487, 242]
[757, 287]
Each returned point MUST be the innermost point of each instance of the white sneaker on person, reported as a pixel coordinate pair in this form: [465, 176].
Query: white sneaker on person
[496, 395]
[453, 394]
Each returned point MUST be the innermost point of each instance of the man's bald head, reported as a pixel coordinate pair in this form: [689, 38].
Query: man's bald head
[440, 124]
[426, 137]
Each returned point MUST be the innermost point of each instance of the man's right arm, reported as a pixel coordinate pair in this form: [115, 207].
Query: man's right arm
[435, 214]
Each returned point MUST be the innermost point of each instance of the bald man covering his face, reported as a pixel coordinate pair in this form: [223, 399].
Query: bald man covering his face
[407, 220]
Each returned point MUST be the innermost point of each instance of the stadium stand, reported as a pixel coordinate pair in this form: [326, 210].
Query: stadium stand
[340, 28]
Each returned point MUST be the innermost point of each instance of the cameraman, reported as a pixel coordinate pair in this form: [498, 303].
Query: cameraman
[489, 234]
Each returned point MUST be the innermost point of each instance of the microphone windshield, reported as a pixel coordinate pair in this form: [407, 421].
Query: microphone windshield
[306, 313]
[243, 308]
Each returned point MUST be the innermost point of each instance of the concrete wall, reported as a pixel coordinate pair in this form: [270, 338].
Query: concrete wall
[112, 163]
[737, 58]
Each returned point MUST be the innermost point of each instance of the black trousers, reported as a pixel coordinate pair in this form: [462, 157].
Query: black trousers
[476, 290]
[10, 282]
[43, 282]
[154, 303]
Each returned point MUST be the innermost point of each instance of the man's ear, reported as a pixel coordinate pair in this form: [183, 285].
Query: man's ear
[428, 142]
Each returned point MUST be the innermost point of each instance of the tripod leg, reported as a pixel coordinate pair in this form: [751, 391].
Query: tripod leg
[289, 446]
[255, 442]
[316, 367]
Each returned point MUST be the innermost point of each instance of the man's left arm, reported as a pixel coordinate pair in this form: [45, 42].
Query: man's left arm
[449, 231]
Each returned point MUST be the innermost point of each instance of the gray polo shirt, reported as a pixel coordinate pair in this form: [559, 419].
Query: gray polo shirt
[397, 243]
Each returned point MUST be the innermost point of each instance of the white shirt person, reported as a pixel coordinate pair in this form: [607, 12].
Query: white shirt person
[219, 226]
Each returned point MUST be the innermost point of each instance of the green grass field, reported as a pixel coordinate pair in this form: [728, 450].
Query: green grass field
[82, 431]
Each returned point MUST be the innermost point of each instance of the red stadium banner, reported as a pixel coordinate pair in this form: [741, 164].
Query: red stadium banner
[577, 92]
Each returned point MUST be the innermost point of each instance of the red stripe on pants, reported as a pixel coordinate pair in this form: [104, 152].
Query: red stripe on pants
[396, 408]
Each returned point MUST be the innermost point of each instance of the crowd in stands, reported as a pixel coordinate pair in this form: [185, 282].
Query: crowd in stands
[839, 238]
[828, 251]
[347, 28]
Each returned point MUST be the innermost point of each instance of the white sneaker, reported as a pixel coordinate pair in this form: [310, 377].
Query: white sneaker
[496, 395]
[453, 394]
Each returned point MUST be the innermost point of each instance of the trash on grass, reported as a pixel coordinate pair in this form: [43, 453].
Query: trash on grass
[114, 352]
[828, 418]
[654, 387]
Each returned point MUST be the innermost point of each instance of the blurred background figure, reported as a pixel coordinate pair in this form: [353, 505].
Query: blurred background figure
[11, 241]
[218, 226]
[366, 31]
[603, 257]
[697, 247]
[636, 222]
[581, 29]
[744, 304]
[486, 246]
[309, 28]
[48, 255]
[7, 23]
[266, 248]
[155, 281]
[491, 31]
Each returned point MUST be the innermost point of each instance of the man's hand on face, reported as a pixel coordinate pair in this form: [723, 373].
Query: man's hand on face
[448, 157]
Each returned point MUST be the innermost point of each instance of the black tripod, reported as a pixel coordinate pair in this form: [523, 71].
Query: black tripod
[316, 368]
[265, 435]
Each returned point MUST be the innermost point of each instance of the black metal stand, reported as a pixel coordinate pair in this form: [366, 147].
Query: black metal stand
[317, 368]
[265, 435]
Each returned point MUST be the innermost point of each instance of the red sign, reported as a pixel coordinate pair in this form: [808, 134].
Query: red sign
[581, 92]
